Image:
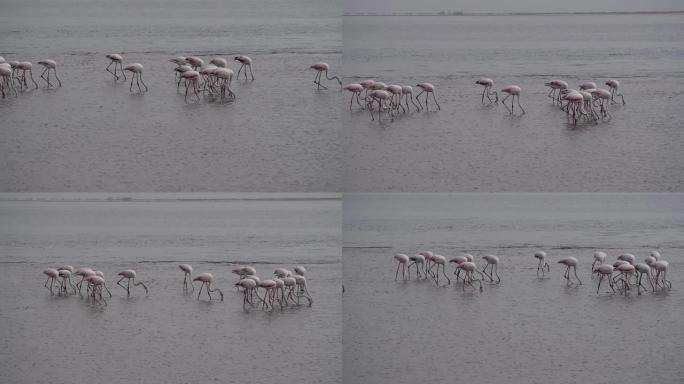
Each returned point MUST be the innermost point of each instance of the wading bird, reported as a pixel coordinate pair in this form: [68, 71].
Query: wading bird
[321, 68]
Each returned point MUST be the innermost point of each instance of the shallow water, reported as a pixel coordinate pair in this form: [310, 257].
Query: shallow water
[94, 135]
[525, 330]
[470, 147]
[168, 336]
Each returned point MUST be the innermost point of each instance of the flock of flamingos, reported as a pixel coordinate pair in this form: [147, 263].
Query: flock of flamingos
[624, 274]
[588, 103]
[285, 288]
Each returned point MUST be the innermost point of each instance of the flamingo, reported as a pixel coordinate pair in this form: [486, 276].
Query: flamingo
[366, 84]
[25, 66]
[65, 274]
[50, 66]
[575, 102]
[614, 86]
[487, 85]
[136, 69]
[570, 262]
[355, 90]
[299, 270]
[626, 271]
[6, 80]
[117, 60]
[179, 61]
[282, 272]
[556, 85]
[302, 290]
[512, 90]
[655, 254]
[628, 257]
[219, 62]
[418, 261]
[601, 96]
[269, 287]
[51, 274]
[96, 283]
[320, 69]
[101, 274]
[195, 62]
[493, 264]
[395, 99]
[587, 85]
[407, 94]
[439, 260]
[402, 261]
[458, 260]
[246, 62]
[543, 265]
[661, 267]
[470, 268]
[382, 97]
[206, 279]
[599, 259]
[428, 89]
[605, 271]
[84, 272]
[187, 272]
[248, 287]
[643, 269]
[191, 81]
[129, 275]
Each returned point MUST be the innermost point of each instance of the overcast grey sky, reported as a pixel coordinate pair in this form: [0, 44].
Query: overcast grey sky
[513, 5]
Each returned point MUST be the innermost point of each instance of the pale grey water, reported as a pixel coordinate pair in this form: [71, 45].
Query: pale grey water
[469, 147]
[525, 330]
[168, 336]
[94, 135]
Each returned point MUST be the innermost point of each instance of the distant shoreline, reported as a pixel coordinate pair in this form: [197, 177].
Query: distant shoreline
[457, 13]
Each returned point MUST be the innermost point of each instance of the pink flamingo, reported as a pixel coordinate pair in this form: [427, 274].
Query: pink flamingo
[661, 280]
[195, 62]
[299, 270]
[206, 279]
[129, 275]
[382, 97]
[407, 94]
[65, 274]
[458, 260]
[50, 66]
[269, 287]
[320, 69]
[225, 78]
[556, 85]
[428, 89]
[628, 257]
[614, 86]
[96, 283]
[599, 259]
[191, 81]
[622, 280]
[437, 261]
[575, 104]
[605, 271]
[179, 61]
[104, 285]
[6, 80]
[282, 272]
[417, 261]
[187, 273]
[402, 261]
[25, 66]
[643, 269]
[587, 85]
[84, 272]
[355, 90]
[493, 264]
[487, 85]
[512, 90]
[52, 274]
[245, 63]
[395, 99]
[470, 268]
[601, 96]
[366, 84]
[543, 265]
[248, 288]
[302, 289]
[219, 62]
[136, 69]
[570, 262]
[117, 60]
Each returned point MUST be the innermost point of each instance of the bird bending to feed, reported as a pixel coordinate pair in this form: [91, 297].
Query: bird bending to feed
[570, 262]
[543, 266]
[355, 90]
[136, 69]
[514, 91]
[614, 86]
[187, 277]
[321, 68]
[428, 89]
[50, 66]
[206, 279]
[493, 264]
[487, 85]
[245, 63]
[117, 60]
[402, 262]
[129, 275]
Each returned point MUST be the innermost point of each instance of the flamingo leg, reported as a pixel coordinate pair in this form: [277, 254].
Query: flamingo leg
[521, 108]
[118, 283]
[250, 71]
[214, 290]
[200, 290]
